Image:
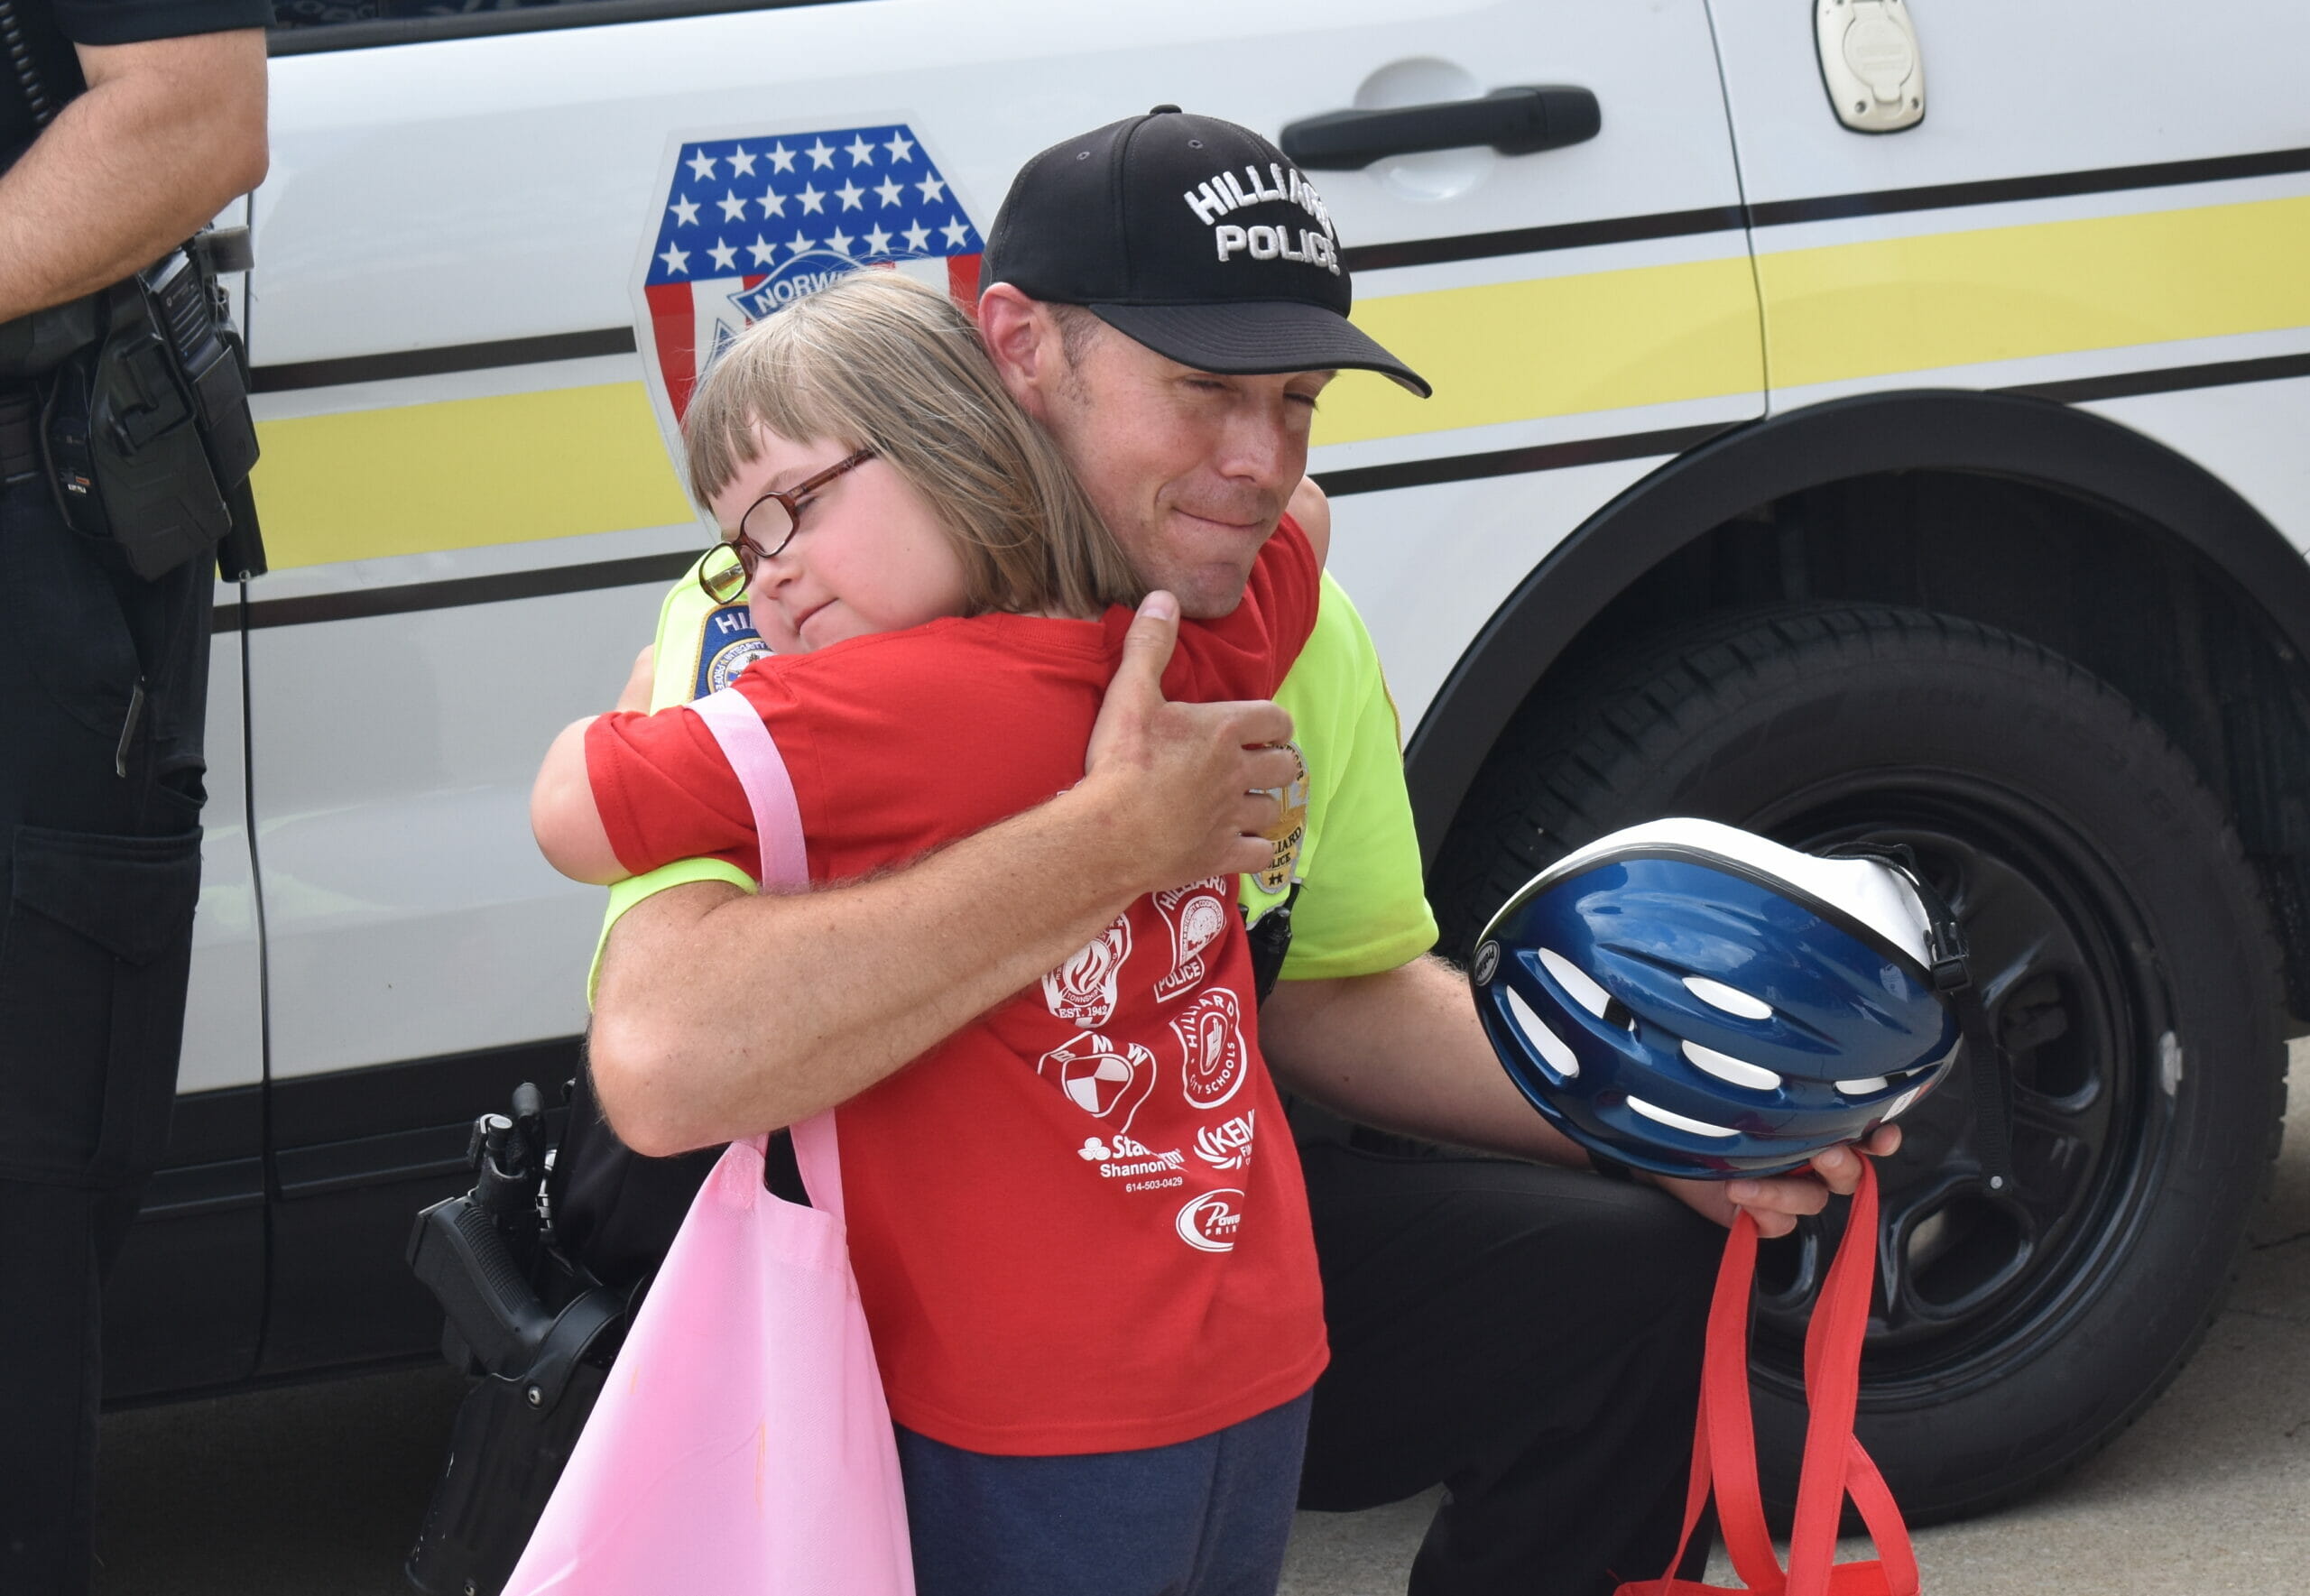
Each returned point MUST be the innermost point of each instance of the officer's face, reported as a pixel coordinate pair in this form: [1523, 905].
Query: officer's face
[1190, 469]
[868, 553]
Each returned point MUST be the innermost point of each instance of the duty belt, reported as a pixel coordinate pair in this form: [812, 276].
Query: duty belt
[19, 458]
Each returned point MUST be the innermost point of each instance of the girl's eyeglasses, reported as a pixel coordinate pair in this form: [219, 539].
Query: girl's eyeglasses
[765, 530]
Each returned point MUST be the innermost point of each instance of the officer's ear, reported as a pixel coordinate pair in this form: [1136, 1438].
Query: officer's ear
[1023, 339]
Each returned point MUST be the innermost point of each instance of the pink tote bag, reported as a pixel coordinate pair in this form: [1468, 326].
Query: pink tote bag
[742, 1444]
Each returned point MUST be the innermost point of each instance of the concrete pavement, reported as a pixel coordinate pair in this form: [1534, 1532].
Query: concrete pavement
[318, 1489]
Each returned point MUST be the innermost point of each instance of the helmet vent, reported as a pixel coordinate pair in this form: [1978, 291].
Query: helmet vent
[1577, 984]
[1864, 1088]
[1550, 1045]
[1677, 1122]
[1725, 1067]
[1730, 998]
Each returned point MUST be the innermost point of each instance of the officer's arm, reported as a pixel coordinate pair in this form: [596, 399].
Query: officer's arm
[719, 1014]
[1404, 1050]
[169, 132]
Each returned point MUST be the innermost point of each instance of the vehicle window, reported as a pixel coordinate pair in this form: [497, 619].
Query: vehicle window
[300, 26]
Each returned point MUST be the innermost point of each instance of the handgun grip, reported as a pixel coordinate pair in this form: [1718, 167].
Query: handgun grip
[463, 1259]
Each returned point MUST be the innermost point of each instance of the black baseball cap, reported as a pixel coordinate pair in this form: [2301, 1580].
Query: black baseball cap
[1192, 235]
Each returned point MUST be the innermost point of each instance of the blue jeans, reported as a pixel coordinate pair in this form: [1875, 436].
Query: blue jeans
[1203, 1518]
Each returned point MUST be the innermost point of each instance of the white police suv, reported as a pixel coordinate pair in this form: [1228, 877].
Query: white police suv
[1853, 418]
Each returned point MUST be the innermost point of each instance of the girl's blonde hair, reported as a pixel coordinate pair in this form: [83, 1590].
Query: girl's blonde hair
[879, 361]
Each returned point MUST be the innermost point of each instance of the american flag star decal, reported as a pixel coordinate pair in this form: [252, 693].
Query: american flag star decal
[747, 226]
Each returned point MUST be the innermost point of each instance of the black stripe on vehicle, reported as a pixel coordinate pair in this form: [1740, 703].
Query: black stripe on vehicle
[550, 580]
[433, 363]
[1417, 251]
[2172, 379]
[387, 1100]
[481, 24]
[2055, 185]
[1545, 457]
[1525, 241]
[362, 602]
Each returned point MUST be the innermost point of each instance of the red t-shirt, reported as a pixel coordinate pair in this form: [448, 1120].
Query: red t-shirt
[1063, 1239]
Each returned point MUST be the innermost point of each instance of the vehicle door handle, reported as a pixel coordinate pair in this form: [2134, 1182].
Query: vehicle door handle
[1512, 120]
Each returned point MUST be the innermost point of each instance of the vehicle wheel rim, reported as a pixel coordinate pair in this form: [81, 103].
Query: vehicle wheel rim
[1967, 1279]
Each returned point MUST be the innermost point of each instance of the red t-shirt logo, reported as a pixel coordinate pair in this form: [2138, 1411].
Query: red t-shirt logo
[1211, 1033]
[1208, 1225]
[1082, 989]
[1197, 914]
[1105, 1081]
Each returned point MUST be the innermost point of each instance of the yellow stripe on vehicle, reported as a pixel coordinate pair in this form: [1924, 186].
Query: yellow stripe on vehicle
[1853, 311]
[462, 474]
[1554, 346]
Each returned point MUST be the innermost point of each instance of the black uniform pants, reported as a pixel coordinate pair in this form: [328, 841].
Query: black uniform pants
[103, 689]
[1529, 1338]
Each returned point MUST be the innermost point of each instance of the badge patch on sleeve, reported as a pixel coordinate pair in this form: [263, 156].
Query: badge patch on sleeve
[745, 226]
[727, 643]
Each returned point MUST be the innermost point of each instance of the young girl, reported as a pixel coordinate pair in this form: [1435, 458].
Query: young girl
[1078, 1226]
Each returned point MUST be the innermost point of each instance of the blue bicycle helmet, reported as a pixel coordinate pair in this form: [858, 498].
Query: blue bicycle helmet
[1692, 1000]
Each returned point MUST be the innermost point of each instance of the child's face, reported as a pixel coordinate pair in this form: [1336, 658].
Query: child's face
[868, 553]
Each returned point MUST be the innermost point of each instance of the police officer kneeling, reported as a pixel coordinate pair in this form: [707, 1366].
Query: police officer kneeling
[124, 449]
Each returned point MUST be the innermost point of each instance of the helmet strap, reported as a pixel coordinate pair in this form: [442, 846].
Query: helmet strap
[1991, 1071]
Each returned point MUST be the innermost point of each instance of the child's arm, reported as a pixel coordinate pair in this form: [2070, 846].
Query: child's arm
[563, 816]
[1313, 512]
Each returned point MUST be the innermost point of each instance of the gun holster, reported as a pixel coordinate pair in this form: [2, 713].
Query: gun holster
[536, 1330]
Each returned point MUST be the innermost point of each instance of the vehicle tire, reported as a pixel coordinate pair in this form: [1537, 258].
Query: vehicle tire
[2121, 944]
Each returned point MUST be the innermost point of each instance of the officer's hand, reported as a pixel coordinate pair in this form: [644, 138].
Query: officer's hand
[1188, 786]
[634, 699]
[1778, 1203]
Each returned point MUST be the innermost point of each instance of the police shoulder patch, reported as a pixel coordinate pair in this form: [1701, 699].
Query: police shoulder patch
[727, 643]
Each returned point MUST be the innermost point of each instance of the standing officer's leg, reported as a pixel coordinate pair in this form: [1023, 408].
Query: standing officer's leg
[1529, 1338]
[103, 688]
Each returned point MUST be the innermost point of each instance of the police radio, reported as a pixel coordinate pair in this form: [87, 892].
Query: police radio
[149, 434]
[144, 413]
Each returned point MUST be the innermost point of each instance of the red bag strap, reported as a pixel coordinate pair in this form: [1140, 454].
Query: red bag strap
[1834, 1464]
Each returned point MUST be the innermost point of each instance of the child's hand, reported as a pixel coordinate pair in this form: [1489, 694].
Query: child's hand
[635, 698]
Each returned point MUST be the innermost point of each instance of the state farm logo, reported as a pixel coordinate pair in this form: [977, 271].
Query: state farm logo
[1083, 990]
[1228, 1146]
[1209, 1223]
[1123, 1147]
[1211, 1034]
[1197, 914]
[1102, 1078]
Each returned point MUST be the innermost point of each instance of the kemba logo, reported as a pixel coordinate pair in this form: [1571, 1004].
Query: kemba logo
[1209, 1223]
